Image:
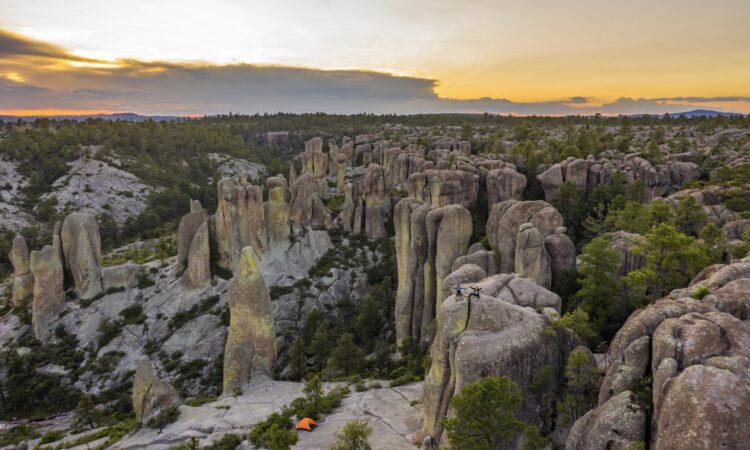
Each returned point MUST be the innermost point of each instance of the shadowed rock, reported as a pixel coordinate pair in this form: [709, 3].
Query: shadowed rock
[49, 297]
[504, 184]
[340, 173]
[189, 225]
[23, 279]
[307, 209]
[532, 259]
[81, 246]
[617, 424]
[375, 187]
[198, 271]
[276, 212]
[562, 253]
[251, 341]
[150, 394]
[240, 221]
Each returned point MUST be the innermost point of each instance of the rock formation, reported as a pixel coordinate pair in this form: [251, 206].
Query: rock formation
[375, 187]
[340, 173]
[488, 336]
[276, 212]
[81, 247]
[532, 259]
[150, 394]
[240, 221]
[23, 279]
[346, 216]
[251, 342]
[193, 255]
[504, 184]
[696, 352]
[562, 253]
[49, 297]
[625, 244]
[307, 209]
[618, 424]
[506, 219]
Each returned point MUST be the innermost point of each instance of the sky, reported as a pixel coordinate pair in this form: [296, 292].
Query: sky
[192, 57]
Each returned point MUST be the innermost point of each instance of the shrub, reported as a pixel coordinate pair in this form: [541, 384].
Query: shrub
[107, 330]
[52, 436]
[17, 434]
[165, 417]
[353, 436]
[278, 427]
[700, 292]
[229, 441]
[133, 315]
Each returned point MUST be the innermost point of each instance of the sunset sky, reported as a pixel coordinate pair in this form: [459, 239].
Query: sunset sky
[520, 56]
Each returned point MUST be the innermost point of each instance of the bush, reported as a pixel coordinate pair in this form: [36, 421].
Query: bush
[278, 428]
[354, 436]
[229, 441]
[133, 315]
[17, 434]
[52, 436]
[107, 330]
[700, 292]
[165, 417]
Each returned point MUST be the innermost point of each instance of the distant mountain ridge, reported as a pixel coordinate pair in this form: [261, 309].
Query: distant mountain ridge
[130, 117]
[693, 113]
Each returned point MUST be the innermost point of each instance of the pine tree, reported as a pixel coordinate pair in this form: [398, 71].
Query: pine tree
[347, 357]
[601, 287]
[485, 414]
[581, 381]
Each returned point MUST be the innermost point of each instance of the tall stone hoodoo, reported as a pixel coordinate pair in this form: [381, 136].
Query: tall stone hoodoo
[49, 297]
[23, 279]
[340, 173]
[409, 219]
[251, 342]
[276, 212]
[239, 221]
[562, 253]
[81, 247]
[193, 254]
[315, 162]
[375, 189]
[307, 209]
[532, 259]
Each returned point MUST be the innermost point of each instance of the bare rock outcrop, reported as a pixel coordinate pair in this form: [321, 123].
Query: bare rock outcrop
[23, 279]
[375, 190]
[150, 393]
[191, 260]
[81, 246]
[532, 259]
[276, 213]
[486, 259]
[617, 424]
[506, 219]
[346, 216]
[251, 341]
[504, 184]
[696, 352]
[562, 253]
[307, 208]
[49, 297]
[486, 336]
[240, 221]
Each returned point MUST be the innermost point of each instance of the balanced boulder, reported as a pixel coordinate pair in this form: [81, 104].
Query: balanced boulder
[23, 279]
[81, 245]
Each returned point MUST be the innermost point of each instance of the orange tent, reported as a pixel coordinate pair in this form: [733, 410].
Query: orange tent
[306, 424]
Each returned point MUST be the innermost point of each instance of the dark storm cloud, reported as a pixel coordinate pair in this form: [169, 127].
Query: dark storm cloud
[36, 75]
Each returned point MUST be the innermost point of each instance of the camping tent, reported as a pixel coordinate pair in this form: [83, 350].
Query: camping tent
[306, 424]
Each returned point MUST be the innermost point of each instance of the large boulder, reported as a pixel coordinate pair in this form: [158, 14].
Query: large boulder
[49, 297]
[23, 279]
[532, 259]
[504, 184]
[123, 276]
[81, 245]
[251, 341]
[198, 271]
[240, 221]
[506, 219]
[617, 424]
[150, 393]
[562, 253]
[485, 336]
[189, 225]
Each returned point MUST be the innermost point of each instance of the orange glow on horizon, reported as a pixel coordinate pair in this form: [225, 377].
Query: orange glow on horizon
[54, 112]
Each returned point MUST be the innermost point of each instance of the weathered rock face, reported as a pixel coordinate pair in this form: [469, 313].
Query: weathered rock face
[49, 297]
[186, 235]
[489, 338]
[120, 277]
[465, 274]
[251, 342]
[23, 279]
[375, 188]
[81, 246]
[449, 187]
[276, 213]
[409, 218]
[625, 243]
[532, 259]
[240, 221]
[551, 180]
[346, 216]
[198, 271]
[340, 173]
[307, 209]
[504, 184]
[562, 253]
[448, 232]
[617, 424]
[697, 353]
[150, 394]
[314, 145]
[485, 259]
[506, 219]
